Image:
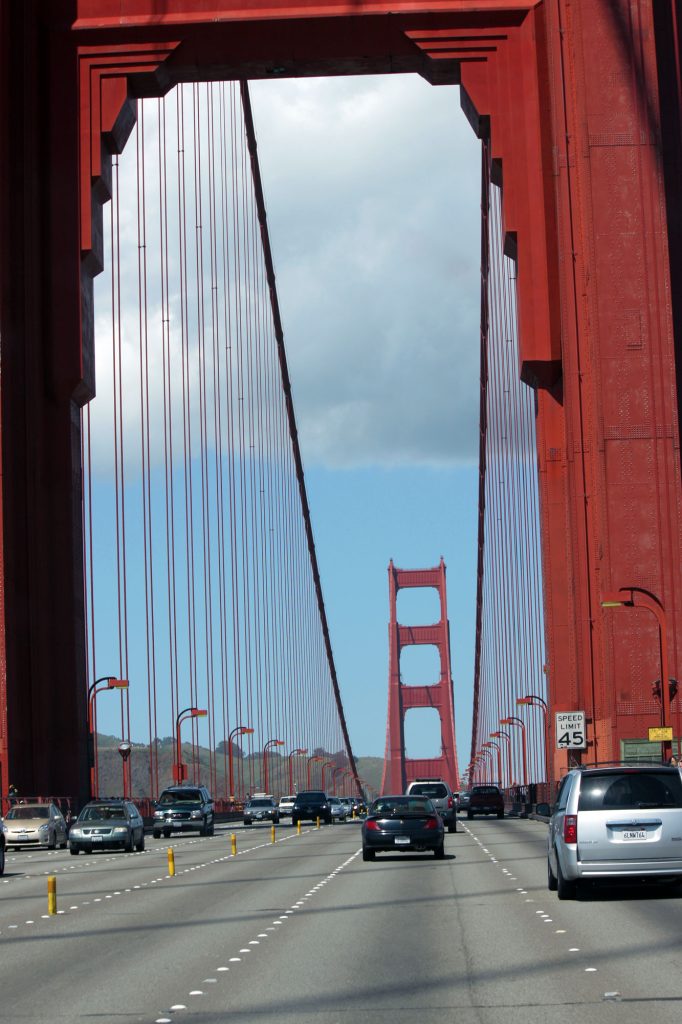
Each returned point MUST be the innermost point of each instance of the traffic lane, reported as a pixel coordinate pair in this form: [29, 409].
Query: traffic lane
[25, 879]
[407, 938]
[121, 957]
[626, 936]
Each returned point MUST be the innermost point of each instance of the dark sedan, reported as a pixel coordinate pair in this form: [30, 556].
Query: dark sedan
[402, 823]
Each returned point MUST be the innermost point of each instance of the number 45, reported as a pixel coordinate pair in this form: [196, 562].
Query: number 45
[570, 739]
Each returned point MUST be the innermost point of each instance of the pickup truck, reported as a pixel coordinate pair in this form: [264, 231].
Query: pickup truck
[485, 800]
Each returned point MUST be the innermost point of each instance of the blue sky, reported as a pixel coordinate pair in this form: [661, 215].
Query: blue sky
[373, 198]
[372, 192]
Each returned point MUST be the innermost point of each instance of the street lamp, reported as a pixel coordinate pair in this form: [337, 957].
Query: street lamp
[327, 764]
[334, 778]
[480, 765]
[112, 684]
[501, 734]
[636, 597]
[515, 720]
[239, 730]
[533, 700]
[270, 743]
[498, 748]
[313, 757]
[298, 750]
[180, 769]
[487, 762]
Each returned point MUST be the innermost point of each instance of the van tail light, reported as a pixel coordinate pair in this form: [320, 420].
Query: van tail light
[431, 823]
[371, 826]
[571, 828]
[449, 801]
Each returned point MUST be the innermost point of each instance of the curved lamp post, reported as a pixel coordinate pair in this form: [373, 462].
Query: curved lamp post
[498, 748]
[327, 764]
[500, 734]
[487, 763]
[239, 730]
[532, 700]
[311, 759]
[180, 769]
[292, 753]
[112, 684]
[334, 773]
[515, 720]
[266, 779]
[636, 597]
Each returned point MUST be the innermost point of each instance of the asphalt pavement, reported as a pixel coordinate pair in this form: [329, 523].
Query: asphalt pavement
[303, 930]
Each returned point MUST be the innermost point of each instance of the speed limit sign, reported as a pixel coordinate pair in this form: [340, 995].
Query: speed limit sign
[570, 730]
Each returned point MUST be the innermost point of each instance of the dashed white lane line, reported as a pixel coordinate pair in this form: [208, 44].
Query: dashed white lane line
[254, 942]
[541, 914]
[142, 885]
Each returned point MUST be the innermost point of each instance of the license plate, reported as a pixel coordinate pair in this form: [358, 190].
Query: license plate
[97, 839]
[402, 840]
[638, 834]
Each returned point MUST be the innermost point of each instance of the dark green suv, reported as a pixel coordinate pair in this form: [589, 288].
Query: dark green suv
[183, 809]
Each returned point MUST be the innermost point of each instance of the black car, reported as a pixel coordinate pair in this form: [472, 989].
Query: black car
[103, 824]
[402, 824]
[311, 805]
[183, 809]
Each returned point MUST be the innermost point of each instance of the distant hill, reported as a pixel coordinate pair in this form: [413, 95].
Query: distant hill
[212, 769]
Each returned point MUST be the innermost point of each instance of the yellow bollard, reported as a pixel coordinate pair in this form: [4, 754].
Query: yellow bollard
[318, 822]
[52, 894]
[298, 827]
[272, 833]
[171, 862]
[354, 814]
[234, 845]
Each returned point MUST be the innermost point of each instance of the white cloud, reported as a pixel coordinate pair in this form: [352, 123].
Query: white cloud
[372, 189]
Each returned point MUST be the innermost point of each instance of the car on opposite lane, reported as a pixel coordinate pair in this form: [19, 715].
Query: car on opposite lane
[285, 805]
[310, 805]
[402, 824]
[107, 824]
[622, 823]
[261, 808]
[348, 801]
[338, 809]
[39, 824]
[184, 809]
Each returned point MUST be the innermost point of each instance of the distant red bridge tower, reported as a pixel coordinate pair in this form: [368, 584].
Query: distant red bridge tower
[398, 769]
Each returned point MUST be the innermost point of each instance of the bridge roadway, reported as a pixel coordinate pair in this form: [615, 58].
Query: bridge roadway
[304, 931]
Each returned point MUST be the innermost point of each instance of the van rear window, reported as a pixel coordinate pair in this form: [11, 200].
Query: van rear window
[430, 789]
[610, 791]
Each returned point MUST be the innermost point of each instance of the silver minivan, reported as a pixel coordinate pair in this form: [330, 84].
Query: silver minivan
[616, 822]
[440, 795]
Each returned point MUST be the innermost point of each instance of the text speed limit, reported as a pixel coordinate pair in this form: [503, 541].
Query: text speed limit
[570, 730]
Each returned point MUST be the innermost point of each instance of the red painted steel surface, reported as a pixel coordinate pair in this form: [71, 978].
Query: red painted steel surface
[399, 770]
[570, 95]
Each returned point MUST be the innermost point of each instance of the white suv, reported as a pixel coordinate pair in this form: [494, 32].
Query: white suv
[618, 822]
[285, 805]
[440, 795]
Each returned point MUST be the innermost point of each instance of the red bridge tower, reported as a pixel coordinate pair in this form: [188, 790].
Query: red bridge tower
[398, 769]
